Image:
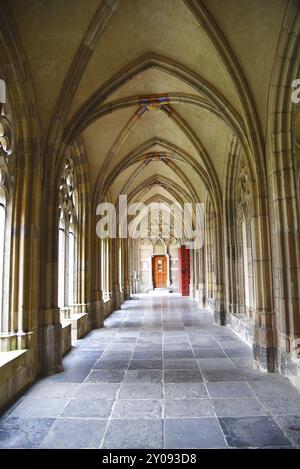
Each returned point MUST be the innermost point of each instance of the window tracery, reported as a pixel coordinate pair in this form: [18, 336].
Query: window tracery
[68, 221]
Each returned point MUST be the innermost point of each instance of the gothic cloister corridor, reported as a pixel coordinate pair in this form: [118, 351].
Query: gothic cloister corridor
[160, 374]
[150, 224]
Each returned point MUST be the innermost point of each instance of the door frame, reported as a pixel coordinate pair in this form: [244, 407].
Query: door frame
[182, 249]
[167, 256]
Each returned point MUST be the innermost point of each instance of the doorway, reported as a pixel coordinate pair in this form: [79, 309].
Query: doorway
[184, 270]
[159, 271]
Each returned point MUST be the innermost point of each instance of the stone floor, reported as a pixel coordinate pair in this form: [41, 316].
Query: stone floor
[159, 375]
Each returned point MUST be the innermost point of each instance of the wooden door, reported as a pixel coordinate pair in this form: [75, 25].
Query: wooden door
[184, 270]
[159, 271]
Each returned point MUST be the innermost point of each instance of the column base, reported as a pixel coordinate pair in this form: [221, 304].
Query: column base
[116, 298]
[264, 348]
[97, 317]
[288, 358]
[50, 349]
[242, 325]
[200, 296]
[264, 358]
[217, 307]
[66, 338]
[100, 310]
[106, 308]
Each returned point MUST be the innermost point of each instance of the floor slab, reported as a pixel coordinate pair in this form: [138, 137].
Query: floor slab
[159, 374]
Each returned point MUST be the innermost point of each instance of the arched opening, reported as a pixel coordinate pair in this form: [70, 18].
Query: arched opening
[71, 269]
[120, 267]
[67, 241]
[8, 326]
[248, 281]
[105, 269]
[72, 251]
[210, 255]
[245, 263]
[61, 261]
[2, 247]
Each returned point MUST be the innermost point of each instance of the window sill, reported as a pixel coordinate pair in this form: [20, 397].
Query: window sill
[6, 357]
[10, 364]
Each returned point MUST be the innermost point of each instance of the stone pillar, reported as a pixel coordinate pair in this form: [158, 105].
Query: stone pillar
[202, 287]
[192, 274]
[126, 270]
[263, 346]
[96, 315]
[50, 328]
[283, 176]
[116, 292]
[96, 293]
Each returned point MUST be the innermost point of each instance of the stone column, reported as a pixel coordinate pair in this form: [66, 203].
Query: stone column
[126, 270]
[202, 286]
[192, 273]
[116, 293]
[49, 319]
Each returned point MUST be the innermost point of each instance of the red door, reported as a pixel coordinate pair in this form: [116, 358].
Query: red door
[159, 271]
[184, 270]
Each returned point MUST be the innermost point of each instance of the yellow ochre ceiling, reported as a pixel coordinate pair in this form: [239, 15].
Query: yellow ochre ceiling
[159, 86]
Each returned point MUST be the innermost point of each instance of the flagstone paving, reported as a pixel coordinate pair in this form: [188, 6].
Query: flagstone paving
[160, 374]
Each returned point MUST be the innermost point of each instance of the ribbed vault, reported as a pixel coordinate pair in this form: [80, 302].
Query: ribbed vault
[117, 66]
[164, 101]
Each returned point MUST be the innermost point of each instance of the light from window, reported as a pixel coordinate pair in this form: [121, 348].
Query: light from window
[107, 266]
[102, 266]
[245, 259]
[2, 236]
[71, 267]
[61, 268]
[120, 266]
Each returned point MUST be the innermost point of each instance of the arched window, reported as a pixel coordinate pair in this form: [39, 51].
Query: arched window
[61, 263]
[6, 168]
[102, 265]
[105, 269]
[71, 272]
[68, 222]
[2, 245]
[245, 263]
[120, 268]
[210, 253]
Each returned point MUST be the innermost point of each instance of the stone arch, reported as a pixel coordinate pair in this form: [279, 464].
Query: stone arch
[242, 254]
[6, 202]
[23, 323]
[282, 174]
[76, 209]
[210, 171]
[296, 149]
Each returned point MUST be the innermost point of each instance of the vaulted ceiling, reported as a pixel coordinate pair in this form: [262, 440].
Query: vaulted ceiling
[154, 89]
